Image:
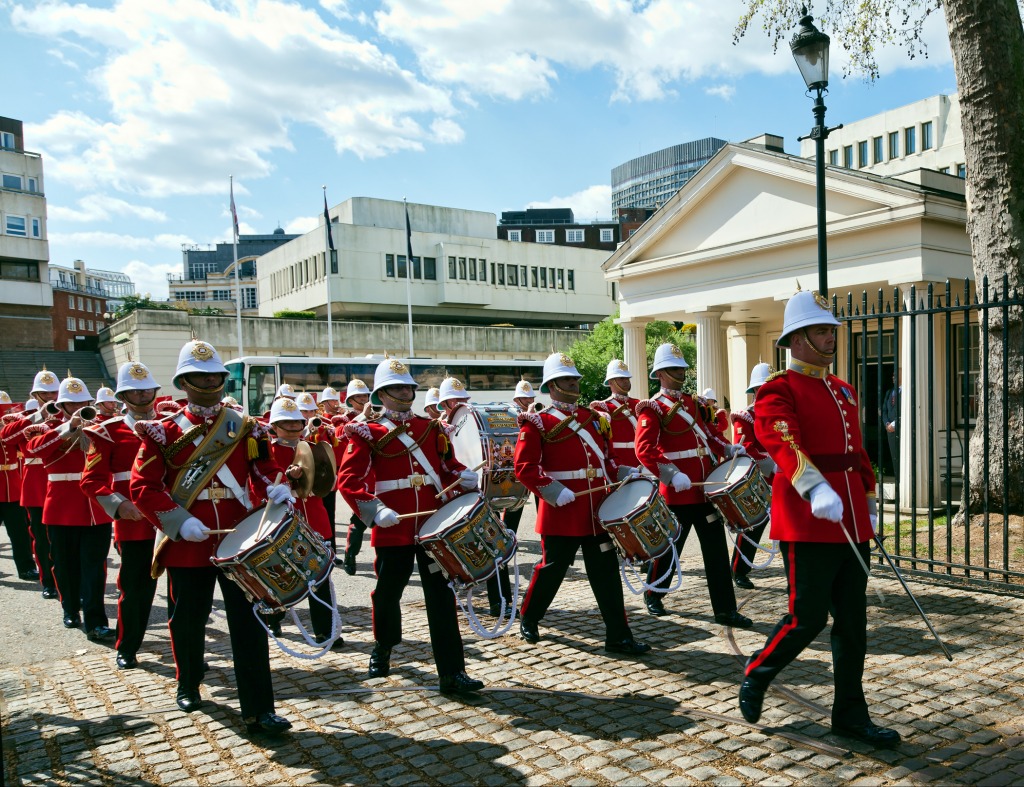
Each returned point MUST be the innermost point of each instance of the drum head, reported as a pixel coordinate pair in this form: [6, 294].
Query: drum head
[244, 535]
[728, 473]
[466, 439]
[627, 498]
[450, 514]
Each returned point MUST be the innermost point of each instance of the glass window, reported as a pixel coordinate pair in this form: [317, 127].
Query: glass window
[430, 268]
[944, 170]
[965, 401]
[607, 235]
[81, 305]
[571, 275]
[894, 146]
[926, 136]
[551, 278]
[89, 324]
[472, 268]
[483, 270]
[71, 298]
[513, 276]
[33, 184]
[878, 150]
[848, 156]
[462, 268]
[522, 275]
[71, 323]
[862, 153]
[262, 388]
[544, 277]
[501, 274]
[37, 228]
[12, 181]
[88, 304]
[451, 267]
[493, 279]
[15, 225]
[515, 235]
[81, 324]
[833, 157]
[389, 265]
[533, 276]
[909, 141]
[6, 140]
[961, 170]
[249, 298]
[561, 278]
[574, 236]
[403, 268]
[417, 268]
[492, 378]
[545, 236]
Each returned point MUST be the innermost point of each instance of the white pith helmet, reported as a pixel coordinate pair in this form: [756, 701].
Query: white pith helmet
[804, 309]
[557, 365]
[390, 371]
[616, 368]
[668, 356]
[232, 402]
[285, 389]
[758, 375]
[73, 390]
[285, 409]
[330, 395]
[452, 388]
[45, 382]
[134, 376]
[198, 357]
[31, 406]
[356, 388]
[104, 394]
[5, 399]
[431, 399]
[710, 395]
[305, 401]
[524, 390]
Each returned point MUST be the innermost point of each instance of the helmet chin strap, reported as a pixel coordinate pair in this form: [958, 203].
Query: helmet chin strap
[827, 356]
[570, 396]
[406, 402]
[196, 389]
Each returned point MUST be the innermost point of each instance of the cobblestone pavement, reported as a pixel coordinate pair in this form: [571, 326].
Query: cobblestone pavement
[559, 712]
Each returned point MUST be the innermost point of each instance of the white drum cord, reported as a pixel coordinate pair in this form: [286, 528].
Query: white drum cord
[676, 566]
[501, 626]
[772, 551]
[336, 624]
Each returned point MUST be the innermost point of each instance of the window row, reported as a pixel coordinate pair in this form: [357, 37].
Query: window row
[83, 325]
[22, 226]
[21, 270]
[893, 145]
[571, 235]
[84, 304]
[19, 182]
[509, 275]
[395, 267]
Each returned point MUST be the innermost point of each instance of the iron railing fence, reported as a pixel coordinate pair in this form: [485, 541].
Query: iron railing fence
[947, 330]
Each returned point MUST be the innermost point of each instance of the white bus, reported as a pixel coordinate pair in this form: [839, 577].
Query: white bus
[254, 379]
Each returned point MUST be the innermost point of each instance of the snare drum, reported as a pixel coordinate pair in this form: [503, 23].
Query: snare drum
[467, 539]
[738, 490]
[488, 433]
[639, 520]
[275, 568]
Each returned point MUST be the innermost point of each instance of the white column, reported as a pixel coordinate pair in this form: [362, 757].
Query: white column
[744, 344]
[917, 385]
[710, 352]
[634, 350]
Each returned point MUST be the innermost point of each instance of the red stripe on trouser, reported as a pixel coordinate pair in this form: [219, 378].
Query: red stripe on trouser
[373, 613]
[791, 579]
[533, 579]
[172, 603]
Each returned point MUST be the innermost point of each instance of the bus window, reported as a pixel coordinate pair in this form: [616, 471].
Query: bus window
[233, 385]
[261, 389]
[533, 374]
[431, 376]
[492, 378]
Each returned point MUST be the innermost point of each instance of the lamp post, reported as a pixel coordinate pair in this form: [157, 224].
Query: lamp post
[810, 51]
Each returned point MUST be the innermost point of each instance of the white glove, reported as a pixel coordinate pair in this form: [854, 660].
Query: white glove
[386, 517]
[194, 530]
[777, 468]
[874, 522]
[634, 472]
[738, 449]
[681, 482]
[468, 479]
[825, 503]
[280, 493]
[565, 497]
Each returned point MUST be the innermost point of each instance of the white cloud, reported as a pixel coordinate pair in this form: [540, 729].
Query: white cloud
[300, 225]
[98, 207]
[151, 278]
[116, 241]
[594, 202]
[724, 92]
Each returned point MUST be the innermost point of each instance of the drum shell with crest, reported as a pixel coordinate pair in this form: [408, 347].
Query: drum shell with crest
[639, 521]
[740, 493]
[275, 565]
[487, 433]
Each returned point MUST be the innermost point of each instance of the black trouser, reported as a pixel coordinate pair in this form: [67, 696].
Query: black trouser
[822, 579]
[137, 586]
[894, 450]
[511, 520]
[330, 503]
[747, 547]
[602, 565]
[41, 547]
[13, 516]
[713, 548]
[191, 590]
[354, 537]
[80, 566]
[393, 566]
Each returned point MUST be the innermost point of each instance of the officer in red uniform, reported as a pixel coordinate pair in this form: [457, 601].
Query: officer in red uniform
[743, 434]
[357, 395]
[823, 515]
[11, 512]
[193, 474]
[675, 442]
[620, 410]
[396, 464]
[108, 469]
[562, 450]
[79, 529]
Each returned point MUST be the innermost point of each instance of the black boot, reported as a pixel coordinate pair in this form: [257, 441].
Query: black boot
[654, 604]
[380, 661]
[355, 543]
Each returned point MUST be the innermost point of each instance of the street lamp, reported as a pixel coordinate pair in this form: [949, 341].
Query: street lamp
[810, 51]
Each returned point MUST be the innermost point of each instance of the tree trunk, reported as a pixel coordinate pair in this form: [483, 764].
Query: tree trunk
[987, 41]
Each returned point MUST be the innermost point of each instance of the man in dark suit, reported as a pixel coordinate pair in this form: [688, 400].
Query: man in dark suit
[891, 420]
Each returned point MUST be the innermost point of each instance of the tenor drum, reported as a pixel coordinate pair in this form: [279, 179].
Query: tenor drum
[740, 493]
[467, 539]
[639, 520]
[276, 566]
[488, 434]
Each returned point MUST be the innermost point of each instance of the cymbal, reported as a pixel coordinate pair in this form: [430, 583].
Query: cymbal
[318, 469]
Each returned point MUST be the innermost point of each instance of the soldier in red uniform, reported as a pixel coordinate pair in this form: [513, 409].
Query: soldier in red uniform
[743, 434]
[107, 405]
[79, 529]
[11, 512]
[396, 464]
[720, 416]
[197, 471]
[357, 395]
[620, 410]
[675, 442]
[321, 430]
[562, 449]
[108, 469]
[430, 403]
[452, 396]
[823, 515]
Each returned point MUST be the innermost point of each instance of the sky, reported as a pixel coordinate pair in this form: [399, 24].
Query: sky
[143, 109]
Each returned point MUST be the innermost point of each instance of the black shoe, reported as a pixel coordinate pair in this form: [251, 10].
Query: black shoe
[189, 701]
[629, 646]
[528, 631]
[751, 700]
[269, 723]
[380, 661]
[338, 562]
[743, 581]
[459, 683]
[882, 737]
[206, 667]
[350, 563]
[72, 621]
[322, 639]
[734, 619]
[126, 661]
[50, 593]
[101, 634]
[275, 629]
[654, 604]
[32, 575]
[494, 610]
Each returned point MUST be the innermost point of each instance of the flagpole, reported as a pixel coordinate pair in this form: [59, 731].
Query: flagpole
[238, 278]
[408, 273]
[327, 276]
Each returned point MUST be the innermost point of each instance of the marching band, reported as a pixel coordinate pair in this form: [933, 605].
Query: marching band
[169, 482]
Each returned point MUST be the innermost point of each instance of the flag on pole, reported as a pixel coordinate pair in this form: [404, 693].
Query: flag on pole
[327, 220]
[234, 213]
[408, 237]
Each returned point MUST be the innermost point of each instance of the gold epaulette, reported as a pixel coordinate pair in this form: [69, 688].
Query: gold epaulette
[775, 375]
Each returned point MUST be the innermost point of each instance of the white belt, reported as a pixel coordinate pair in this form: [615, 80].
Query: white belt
[689, 453]
[125, 476]
[9, 467]
[572, 475]
[33, 461]
[64, 477]
[630, 444]
[212, 493]
[412, 482]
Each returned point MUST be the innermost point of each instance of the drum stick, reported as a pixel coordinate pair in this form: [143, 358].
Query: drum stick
[454, 484]
[709, 483]
[597, 489]
[229, 530]
[417, 513]
[266, 510]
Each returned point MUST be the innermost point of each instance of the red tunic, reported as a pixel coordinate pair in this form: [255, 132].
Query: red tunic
[743, 433]
[65, 503]
[622, 415]
[656, 444]
[108, 466]
[807, 420]
[370, 461]
[547, 449]
[312, 508]
[10, 458]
